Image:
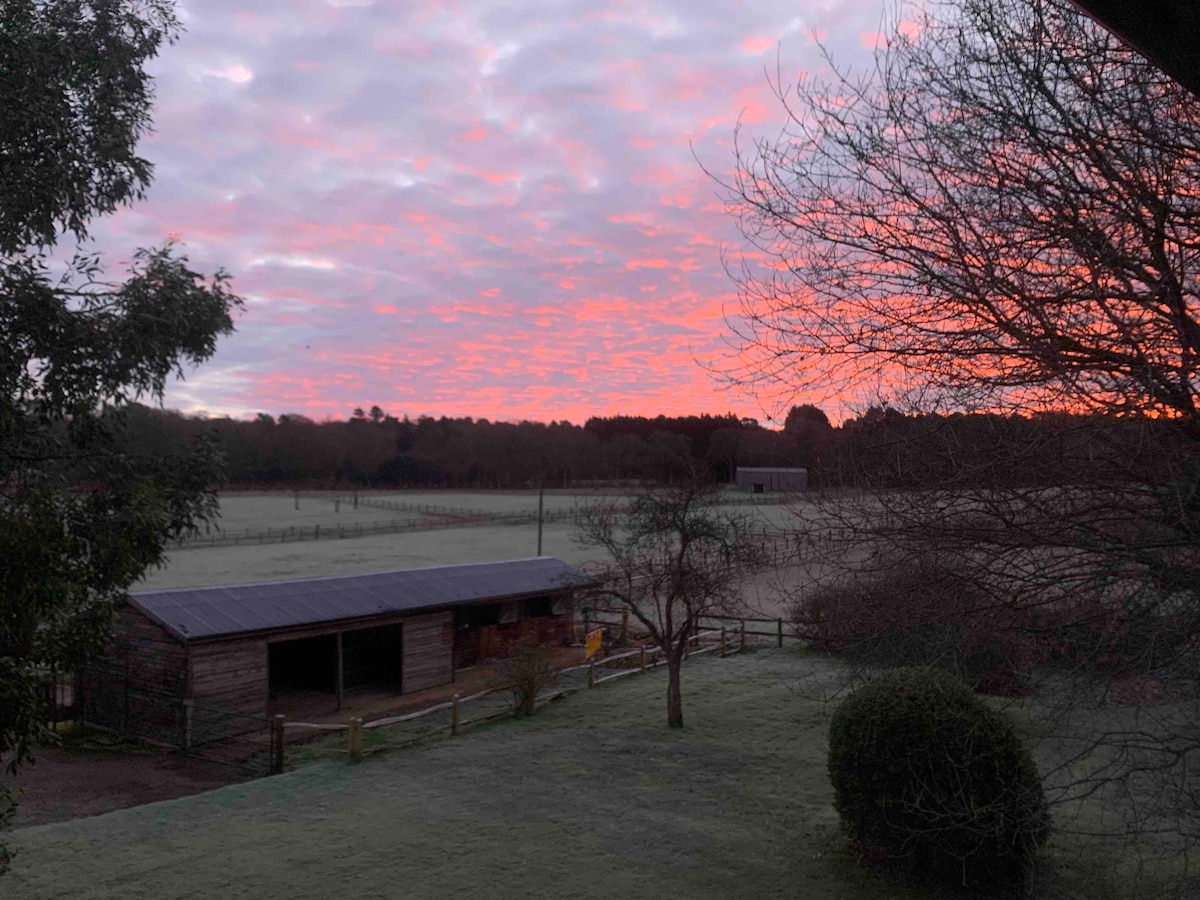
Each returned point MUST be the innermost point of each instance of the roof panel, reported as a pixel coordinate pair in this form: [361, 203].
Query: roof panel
[192, 613]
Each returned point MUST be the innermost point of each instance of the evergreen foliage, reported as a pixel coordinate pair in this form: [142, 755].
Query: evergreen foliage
[927, 776]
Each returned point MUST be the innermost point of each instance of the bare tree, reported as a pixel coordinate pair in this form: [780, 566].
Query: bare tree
[675, 557]
[525, 674]
[1003, 215]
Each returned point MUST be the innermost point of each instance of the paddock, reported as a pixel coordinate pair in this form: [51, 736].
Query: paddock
[766, 480]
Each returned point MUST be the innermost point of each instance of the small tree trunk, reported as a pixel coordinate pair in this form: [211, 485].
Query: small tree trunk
[674, 697]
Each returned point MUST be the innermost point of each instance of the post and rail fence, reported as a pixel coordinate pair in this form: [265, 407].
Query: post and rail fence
[433, 517]
[450, 717]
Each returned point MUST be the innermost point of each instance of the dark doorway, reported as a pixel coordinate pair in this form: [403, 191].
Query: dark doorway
[373, 656]
[468, 621]
[759, 487]
[305, 664]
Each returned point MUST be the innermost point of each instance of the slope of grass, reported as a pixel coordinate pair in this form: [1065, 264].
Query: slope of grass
[592, 798]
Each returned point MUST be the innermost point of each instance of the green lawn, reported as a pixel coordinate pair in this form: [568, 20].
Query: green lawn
[592, 798]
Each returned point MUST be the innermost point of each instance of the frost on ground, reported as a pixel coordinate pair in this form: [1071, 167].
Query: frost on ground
[592, 798]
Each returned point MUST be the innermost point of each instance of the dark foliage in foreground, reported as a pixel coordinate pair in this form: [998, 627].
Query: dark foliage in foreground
[928, 777]
[83, 513]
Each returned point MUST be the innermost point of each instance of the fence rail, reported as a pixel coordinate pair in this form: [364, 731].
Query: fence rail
[432, 517]
[492, 705]
[433, 520]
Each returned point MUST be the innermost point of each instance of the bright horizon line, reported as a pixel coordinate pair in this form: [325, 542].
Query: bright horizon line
[249, 415]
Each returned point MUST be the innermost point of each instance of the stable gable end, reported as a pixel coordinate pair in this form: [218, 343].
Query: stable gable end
[147, 650]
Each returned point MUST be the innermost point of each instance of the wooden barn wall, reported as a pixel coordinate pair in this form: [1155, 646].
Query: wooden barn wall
[428, 651]
[138, 684]
[231, 675]
[500, 641]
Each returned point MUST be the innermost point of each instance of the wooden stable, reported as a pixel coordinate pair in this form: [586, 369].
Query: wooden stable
[236, 649]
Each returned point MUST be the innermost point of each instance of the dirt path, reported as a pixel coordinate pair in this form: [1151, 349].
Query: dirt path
[65, 785]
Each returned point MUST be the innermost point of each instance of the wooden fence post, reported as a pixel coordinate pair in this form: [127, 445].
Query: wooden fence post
[724, 645]
[356, 739]
[743, 639]
[187, 724]
[780, 621]
[125, 713]
[642, 658]
[624, 624]
[592, 673]
[79, 698]
[454, 714]
[277, 744]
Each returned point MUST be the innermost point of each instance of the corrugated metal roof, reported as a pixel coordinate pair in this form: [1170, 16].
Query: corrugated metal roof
[191, 613]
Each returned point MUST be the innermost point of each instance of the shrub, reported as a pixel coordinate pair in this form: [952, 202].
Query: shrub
[927, 776]
[530, 669]
[920, 613]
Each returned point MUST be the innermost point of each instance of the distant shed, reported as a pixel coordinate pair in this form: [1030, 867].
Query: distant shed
[770, 479]
[236, 647]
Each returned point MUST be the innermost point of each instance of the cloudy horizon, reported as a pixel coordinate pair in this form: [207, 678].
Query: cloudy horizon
[484, 209]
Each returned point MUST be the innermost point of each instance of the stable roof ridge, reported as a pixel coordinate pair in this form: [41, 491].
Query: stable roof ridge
[242, 584]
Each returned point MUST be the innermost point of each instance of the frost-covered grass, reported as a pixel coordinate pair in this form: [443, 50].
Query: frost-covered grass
[594, 797]
[258, 512]
[191, 567]
[198, 565]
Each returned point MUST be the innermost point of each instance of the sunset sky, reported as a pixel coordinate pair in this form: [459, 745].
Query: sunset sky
[484, 209]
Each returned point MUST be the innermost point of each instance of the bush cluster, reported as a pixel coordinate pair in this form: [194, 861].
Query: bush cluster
[922, 613]
[525, 675]
[927, 776]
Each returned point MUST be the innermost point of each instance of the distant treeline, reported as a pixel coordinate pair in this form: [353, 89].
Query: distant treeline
[881, 447]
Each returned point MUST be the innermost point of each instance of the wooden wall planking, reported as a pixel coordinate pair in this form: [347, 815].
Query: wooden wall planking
[138, 684]
[155, 657]
[428, 651]
[230, 675]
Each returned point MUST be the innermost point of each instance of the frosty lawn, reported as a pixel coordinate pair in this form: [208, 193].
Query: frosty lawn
[198, 566]
[593, 798]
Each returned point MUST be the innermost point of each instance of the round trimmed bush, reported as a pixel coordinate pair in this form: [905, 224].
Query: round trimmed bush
[927, 776]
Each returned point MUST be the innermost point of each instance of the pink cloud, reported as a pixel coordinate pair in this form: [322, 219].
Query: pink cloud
[757, 44]
[514, 190]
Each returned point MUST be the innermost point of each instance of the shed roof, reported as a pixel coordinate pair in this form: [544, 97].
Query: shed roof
[193, 613]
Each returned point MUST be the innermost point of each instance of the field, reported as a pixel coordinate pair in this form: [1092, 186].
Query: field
[592, 798]
[193, 566]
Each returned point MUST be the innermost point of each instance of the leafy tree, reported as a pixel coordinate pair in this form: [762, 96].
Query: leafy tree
[1002, 215]
[81, 515]
[676, 557]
